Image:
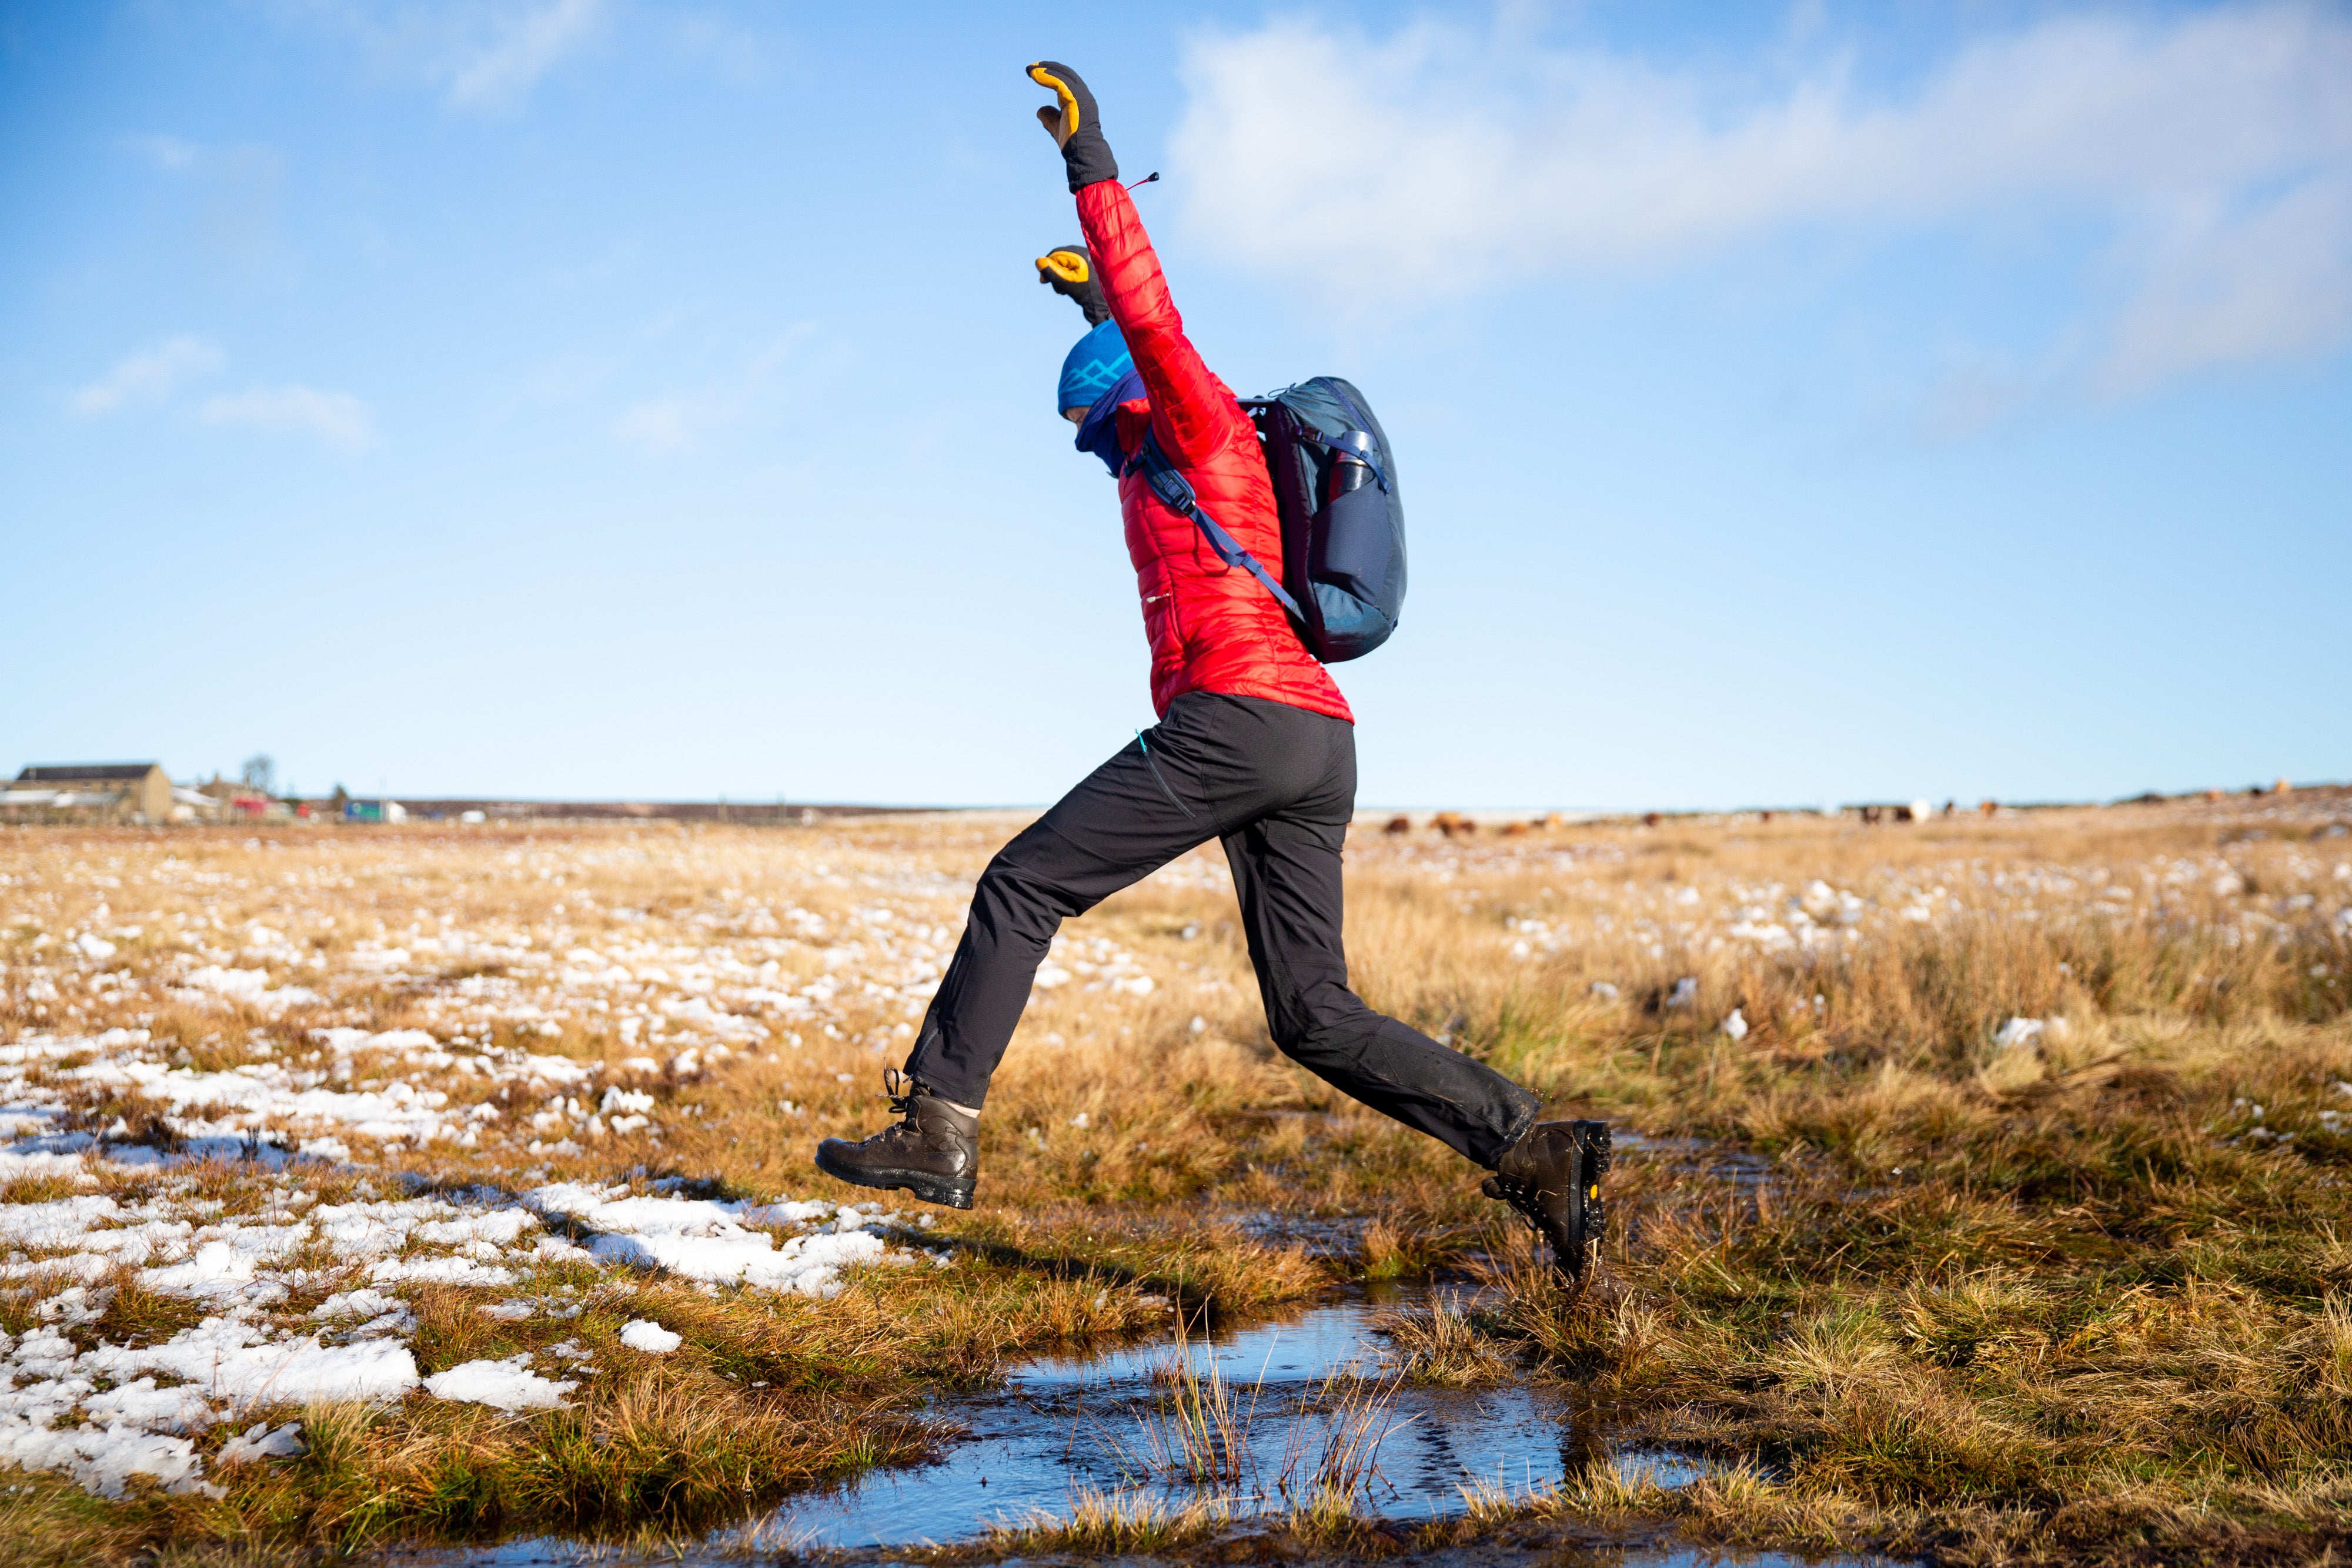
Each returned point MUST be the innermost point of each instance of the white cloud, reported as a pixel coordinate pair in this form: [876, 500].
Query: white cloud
[2269, 280]
[528, 46]
[337, 418]
[148, 376]
[154, 374]
[2213, 152]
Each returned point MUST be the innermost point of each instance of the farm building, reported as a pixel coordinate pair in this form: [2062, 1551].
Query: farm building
[139, 791]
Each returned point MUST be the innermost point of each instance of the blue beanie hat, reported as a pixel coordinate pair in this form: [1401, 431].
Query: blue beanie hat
[1092, 368]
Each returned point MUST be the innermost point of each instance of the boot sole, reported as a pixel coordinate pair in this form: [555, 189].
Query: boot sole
[1575, 1236]
[1593, 1161]
[948, 1192]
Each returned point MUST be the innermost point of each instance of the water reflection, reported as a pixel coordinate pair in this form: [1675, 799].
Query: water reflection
[1100, 1422]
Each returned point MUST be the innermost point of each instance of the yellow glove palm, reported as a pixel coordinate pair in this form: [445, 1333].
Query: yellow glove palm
[1069, 271]
[1062, 118]
[1073, 123]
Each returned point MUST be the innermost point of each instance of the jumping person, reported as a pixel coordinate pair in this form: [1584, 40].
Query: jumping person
[1254, 746]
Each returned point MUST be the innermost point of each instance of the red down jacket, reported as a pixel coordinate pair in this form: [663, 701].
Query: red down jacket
[1213, 628]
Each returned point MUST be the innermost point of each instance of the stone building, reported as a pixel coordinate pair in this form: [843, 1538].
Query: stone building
[134, 792]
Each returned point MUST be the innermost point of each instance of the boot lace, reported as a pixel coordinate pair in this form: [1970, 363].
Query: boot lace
[901, 1091]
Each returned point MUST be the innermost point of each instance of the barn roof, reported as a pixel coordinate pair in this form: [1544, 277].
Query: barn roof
[72, 773]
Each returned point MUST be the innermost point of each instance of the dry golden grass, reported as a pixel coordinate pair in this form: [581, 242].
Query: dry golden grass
[1096, 1524]
[1911, 1281]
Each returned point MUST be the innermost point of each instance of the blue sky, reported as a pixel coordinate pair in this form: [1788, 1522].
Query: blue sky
[600, 398]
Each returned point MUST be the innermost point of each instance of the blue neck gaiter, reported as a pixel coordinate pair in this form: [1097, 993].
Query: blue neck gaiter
[1098, 433]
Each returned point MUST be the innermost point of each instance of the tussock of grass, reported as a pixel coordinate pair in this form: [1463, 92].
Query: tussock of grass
[1105, 1524]
[1440, 1345]
[1199, 1267]
[40, 1189]
[136, 1316]
[650, 1454]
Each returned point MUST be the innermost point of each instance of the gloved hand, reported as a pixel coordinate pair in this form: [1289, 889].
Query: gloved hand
[1074, 126]
[1069, 271]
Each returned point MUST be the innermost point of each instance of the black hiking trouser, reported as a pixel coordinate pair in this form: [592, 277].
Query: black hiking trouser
[1277, 784]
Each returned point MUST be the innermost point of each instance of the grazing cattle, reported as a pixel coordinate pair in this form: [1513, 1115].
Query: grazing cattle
[1649, 819]
[1399, 825]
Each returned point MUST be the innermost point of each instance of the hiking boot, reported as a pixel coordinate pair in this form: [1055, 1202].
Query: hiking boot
[933, 1152]
[1552, 1176]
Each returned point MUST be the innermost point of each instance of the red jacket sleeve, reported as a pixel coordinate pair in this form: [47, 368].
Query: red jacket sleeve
[1193, 412]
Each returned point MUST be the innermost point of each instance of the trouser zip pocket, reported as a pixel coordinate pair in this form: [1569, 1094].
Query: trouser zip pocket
[1145, 746]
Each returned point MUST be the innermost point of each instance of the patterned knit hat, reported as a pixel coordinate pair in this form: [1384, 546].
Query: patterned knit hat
[1092, 368]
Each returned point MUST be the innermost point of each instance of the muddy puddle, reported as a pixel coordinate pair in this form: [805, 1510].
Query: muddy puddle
[1114, 1424]
[1276, 1411]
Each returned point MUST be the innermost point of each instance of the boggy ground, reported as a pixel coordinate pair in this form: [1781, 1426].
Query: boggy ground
[1994, 1211]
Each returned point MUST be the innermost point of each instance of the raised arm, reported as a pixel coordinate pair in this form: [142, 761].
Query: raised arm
[1192, 411]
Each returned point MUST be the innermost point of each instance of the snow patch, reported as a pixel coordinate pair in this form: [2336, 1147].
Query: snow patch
[259, 1442]
[647, 1335]
[508, 1384]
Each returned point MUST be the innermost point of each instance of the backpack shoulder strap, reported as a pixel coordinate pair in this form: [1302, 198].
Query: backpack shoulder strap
[1175, 493]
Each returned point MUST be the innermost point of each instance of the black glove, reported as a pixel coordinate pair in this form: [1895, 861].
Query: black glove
[1073, 124]
[1069, 271]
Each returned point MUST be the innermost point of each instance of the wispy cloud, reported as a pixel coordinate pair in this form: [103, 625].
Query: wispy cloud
[733, 50]
[679, 421]
[2211, 153]
[527, 46]
[337, 418]
[165, 152]
[478, 54]
[154, 375]
[662, 423]
[147, 376]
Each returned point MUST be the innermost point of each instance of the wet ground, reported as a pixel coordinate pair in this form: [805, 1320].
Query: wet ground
[1695, 1157]
[1295, 1419]
[1102, 1423]
[1510, 1551]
